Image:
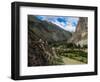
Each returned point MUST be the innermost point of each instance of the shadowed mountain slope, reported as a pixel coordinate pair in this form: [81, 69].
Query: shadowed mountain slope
[40, 34]
[47, 30]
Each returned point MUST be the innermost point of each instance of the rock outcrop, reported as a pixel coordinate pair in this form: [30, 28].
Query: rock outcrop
[80, 36]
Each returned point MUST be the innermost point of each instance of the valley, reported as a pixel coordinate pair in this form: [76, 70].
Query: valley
[48, 44]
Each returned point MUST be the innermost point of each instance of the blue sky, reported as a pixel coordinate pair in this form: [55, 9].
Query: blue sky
[65, 22]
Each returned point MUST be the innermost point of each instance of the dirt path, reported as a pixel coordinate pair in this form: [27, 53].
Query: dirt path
[69, 61]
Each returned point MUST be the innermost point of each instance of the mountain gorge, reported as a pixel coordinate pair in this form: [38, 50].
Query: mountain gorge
[49, 44]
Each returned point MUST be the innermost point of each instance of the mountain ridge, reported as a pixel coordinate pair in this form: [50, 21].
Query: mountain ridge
[47, 30]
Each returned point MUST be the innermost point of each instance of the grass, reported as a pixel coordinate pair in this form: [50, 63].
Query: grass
[75, 53]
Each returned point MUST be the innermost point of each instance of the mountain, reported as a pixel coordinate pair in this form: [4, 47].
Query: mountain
[47, 30]
[80, 36]
[40, 34]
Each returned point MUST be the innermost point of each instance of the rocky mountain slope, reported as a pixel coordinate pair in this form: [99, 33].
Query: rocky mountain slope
[80, 36]
[40, 34]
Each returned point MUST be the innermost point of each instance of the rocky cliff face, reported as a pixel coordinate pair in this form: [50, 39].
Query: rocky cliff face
[82, 25]
[80, 36]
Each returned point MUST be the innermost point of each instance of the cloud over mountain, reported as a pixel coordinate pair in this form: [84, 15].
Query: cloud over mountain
[65, 22]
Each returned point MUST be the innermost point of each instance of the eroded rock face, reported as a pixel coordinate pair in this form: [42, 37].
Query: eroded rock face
[82, 25]
[39, 52]
[80, 36]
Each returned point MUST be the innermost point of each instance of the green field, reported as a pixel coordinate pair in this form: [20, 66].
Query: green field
[70, 53]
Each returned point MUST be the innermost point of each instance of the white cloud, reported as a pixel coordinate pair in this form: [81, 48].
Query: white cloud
[68, 27]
